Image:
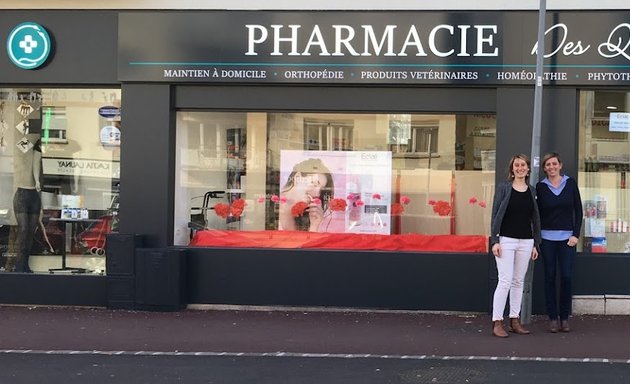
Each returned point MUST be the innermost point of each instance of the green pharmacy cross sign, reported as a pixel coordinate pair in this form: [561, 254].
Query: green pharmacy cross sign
[28, 45]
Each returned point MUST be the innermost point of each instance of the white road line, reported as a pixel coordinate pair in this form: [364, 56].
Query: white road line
[317, 355]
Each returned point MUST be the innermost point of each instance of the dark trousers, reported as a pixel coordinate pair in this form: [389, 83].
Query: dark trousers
[558, 258]
[27, 205]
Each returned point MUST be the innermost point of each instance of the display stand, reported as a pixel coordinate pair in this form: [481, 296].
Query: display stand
[68, 229]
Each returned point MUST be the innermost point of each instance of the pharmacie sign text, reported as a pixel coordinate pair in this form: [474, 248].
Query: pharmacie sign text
[374, 47]
[368, 42]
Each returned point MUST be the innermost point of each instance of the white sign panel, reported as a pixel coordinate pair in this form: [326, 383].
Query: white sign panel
[110, 136]
[619, 122]
[81, 167]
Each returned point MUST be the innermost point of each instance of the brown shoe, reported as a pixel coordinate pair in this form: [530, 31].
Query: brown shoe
[564, 326]
[498, 330]
[516, 327]
[553, 326]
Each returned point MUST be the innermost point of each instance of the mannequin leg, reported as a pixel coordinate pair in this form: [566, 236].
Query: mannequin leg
[27, 223]
[27, 206]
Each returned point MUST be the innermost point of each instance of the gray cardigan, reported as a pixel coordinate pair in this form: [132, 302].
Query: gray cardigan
[499, 206]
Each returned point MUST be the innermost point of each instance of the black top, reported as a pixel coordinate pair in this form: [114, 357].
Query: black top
[517, 220]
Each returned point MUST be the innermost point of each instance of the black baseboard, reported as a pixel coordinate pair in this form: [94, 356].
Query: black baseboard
[46, 289]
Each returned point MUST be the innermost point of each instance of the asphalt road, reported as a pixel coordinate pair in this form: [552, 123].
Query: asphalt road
[102, 369]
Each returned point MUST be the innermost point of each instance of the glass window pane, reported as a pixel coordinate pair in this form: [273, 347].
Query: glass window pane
[604, 162]
[385, 174]
[59, 171]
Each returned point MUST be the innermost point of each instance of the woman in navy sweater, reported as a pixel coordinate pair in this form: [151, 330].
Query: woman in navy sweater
[560, 209]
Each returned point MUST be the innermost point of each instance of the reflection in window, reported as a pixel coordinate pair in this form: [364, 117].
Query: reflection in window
[424, 138]
[54, 125]
[604, 163]
[65, 137]
[382, 174]
[322, 135]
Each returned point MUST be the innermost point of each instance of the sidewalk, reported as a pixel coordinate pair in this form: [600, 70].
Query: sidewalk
[304, 331]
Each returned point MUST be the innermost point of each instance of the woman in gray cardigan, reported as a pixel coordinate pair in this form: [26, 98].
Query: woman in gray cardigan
[514, 239]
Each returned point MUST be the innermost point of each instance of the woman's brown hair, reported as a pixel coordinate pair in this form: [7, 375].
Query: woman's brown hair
[549, 156]
[511, 166]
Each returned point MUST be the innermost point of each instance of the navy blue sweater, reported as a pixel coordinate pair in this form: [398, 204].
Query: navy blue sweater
[562, 212]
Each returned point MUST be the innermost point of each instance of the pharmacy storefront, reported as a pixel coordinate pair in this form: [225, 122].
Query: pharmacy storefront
[343, 159]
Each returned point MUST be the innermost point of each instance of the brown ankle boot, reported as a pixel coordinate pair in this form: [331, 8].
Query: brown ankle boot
[498, 330]
[516, 327]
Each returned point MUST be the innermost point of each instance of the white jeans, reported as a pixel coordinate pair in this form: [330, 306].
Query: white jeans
[512, 266]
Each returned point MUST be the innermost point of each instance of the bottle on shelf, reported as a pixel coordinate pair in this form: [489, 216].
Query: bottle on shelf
[354, 195]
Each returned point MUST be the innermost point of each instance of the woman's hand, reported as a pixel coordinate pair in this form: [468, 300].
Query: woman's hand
[572, 241]
[315, 215]
[534, 253]
[496, 250]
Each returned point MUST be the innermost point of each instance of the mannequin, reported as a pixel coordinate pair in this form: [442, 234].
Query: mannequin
[27, 204]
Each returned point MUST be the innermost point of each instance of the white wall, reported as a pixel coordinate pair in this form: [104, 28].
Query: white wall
[320, 5]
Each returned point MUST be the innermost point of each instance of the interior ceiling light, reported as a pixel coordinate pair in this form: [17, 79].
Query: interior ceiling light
[611, 107]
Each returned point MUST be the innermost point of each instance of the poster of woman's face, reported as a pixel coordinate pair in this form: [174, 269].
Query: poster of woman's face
[314, 183]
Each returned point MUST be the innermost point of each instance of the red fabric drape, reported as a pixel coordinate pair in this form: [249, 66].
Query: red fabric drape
[299, 239]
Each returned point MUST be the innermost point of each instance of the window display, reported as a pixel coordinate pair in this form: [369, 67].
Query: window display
[58, 178]
[604, 163]
[329, 175]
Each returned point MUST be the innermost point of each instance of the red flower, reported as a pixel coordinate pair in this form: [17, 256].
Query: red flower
[442, 208]
[239, 204]
[359, 203]
[397, 209]
[376, 196]
[472, 200]
[222, 210]
[338, 205]
[274, 198]
[235, 211]
[261, 199]
[317, 201]
[482, 204]
[431, 202]
[405, 200]
[298, 209]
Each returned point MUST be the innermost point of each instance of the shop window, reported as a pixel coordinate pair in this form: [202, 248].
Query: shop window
[271, 176]
[604, 163]
[66, 143]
